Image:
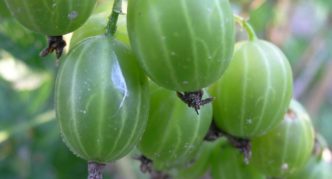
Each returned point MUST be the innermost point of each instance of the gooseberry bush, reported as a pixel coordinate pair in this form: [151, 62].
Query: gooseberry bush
[170, 80]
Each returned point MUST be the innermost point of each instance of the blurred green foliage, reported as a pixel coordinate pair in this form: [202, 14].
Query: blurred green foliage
[30, 143]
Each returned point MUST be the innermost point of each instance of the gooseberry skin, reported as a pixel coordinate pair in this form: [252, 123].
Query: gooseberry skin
[228, 162]
[51, 17]
[287, 147]
[200, 163]
[173, 131]
[182, 45]
[101, 100]
[254, 93]
[316, 168]
[95, 25]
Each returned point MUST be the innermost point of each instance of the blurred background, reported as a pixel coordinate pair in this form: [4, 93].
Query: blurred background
[30, 144]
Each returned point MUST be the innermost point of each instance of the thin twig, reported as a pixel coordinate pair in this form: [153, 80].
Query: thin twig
[95, 170]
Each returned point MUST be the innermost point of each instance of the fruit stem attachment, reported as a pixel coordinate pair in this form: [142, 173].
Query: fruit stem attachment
[95, 170]
[113, 19]
[147, 167]
[55, 44]
[242, 144]
[245, 24]
[194, 99]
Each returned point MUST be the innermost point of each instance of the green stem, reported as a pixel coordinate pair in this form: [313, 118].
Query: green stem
[245, 24]
[113, 19]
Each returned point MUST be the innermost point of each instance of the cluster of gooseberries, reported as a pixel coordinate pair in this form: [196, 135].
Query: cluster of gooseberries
[169, 79]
